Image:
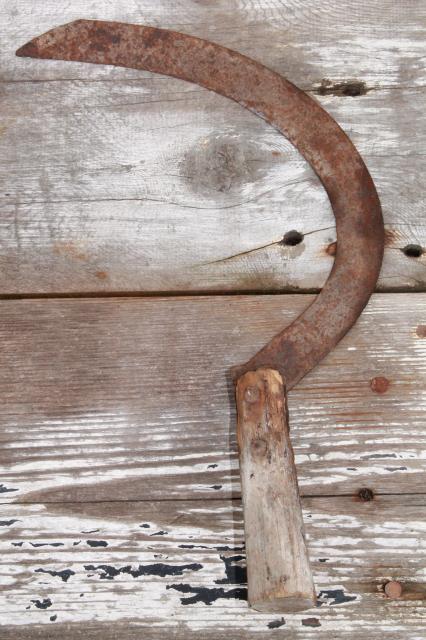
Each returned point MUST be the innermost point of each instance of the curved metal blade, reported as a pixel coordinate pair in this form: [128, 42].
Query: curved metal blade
[356, 206]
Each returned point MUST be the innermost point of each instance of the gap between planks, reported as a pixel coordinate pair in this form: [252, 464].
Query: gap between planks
[90, 295]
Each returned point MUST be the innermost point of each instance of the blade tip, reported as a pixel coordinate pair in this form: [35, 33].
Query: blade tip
[28, 50]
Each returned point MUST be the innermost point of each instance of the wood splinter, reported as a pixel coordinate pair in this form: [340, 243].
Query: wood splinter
[279, 575]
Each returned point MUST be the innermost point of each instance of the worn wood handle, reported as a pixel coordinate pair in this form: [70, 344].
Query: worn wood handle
[278, 570]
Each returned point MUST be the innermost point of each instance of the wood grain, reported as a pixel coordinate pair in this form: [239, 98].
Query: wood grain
[119, 181]
[178, 569]
[139, 198]
[279, 577]
[113, 180]
[130, 399]
[381, 43]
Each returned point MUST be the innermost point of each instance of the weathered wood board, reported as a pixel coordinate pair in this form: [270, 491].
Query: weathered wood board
[177, 569]
[380, 42]
[116, 180]
[130, 399]
[120, 510]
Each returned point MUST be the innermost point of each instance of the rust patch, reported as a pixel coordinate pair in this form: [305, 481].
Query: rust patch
[351, 88]
[331, 249]
[380, 384]
[311, 622]
[70, 250]
[421, 331]
[101, 275]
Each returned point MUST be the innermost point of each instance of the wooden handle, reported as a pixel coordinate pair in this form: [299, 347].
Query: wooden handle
[278, 571]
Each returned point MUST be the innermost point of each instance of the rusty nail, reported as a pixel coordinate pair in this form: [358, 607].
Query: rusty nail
[380, 384]
[393, 589]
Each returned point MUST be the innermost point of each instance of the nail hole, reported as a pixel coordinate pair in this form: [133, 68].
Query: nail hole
[350, 88]
[365, 494]
[412, 251]
[291, 238]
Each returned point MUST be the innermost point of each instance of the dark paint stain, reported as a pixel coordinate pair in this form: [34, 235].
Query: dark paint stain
[376, 456]
[365, 494]
[396, 468]
[53, 618]
[350, 88]
[144, 526]
[216, 487]
[97, 543]
[7, 523]
[81, 595]
[351, 469]
[4, 489]
[65, 574]
[208, 595]
[160, 533]
[74, 544]
[336, 596]
[323, 559]
[379, 384]
[42, 604]
[47, 544]
[275, 624]
[228, 548]
[212, 466]
[421, 331]
[192, 546]
[93, 531]
[235, 574]
[17, 544]
[311, 622]
[157, 569]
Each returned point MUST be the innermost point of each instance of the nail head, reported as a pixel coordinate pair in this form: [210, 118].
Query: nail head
[393, 589]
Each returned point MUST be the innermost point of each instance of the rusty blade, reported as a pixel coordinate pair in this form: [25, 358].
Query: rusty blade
[314, 133]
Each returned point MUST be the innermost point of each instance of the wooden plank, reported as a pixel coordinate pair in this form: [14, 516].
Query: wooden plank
[381, 43]
[155, 185]
[71, 567]
[129, 398]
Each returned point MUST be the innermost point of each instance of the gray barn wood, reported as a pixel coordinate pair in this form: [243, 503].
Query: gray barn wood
[120, 511]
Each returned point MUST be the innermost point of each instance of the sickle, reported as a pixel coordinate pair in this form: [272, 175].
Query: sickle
[360, 238]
